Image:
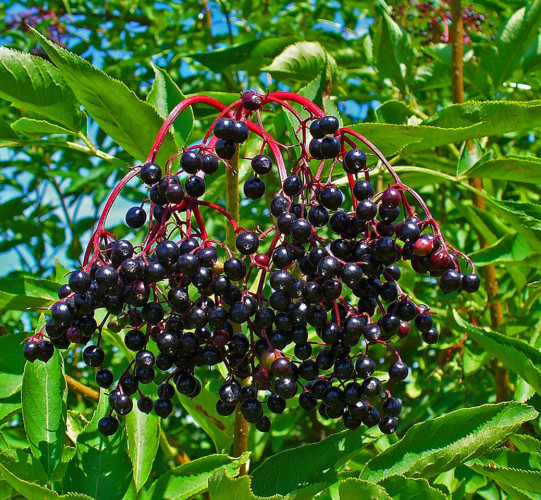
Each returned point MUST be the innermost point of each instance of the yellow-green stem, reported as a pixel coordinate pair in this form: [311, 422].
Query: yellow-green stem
[240, 444]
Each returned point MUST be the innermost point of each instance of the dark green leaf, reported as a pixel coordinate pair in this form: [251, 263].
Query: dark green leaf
[249, 56]
[516, 469]
[392, 51]
[515, 354]
[12, 366]
[432, 447]
[101, 467]
[164, 95]
[510, 248]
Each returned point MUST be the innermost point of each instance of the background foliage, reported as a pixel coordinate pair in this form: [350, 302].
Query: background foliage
[70, 129]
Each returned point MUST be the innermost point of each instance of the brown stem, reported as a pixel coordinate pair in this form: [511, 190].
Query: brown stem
[501, 375]
[82, 389]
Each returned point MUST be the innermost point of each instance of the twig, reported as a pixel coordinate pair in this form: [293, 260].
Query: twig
[82, 389]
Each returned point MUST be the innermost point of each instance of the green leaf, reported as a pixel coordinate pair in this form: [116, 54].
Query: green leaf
[44, 410]
[271, 477]
[516, 469]
[408, 488]
[453, 124]
[32, 127]
[9, 406]
[6, 132]
[512, 42]
[101, 467]
[164, 95]
[515, 354]
[223, 487]
[392, 51]
[33, 83]
[393, 111]
[511, 168]
[432, 447]
[524, 442]
[12, 366]
[302, 61]
[525, 218]
[130, 122]
[356, 488]
[203, 411]
[32, 490]
[23, 465]
[142, 431]
[192, 478]
[511, 248]
[249, 56]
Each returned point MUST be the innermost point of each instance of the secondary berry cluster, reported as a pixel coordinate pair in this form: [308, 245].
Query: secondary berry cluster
[297, 309]
[430, 21]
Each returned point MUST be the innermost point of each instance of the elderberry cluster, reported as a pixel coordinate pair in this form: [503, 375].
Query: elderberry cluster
[296, 308]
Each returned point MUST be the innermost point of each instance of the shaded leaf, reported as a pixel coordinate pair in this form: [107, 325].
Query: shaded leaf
[101, 467]
[249, 56]
[516, 469]
[12, 366]
[511, 168]
[515, 354]
[164, 95]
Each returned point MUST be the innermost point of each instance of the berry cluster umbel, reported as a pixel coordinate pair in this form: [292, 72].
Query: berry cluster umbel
[295, 309]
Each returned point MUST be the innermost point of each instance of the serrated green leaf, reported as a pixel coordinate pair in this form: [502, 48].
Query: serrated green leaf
[510, 248]
[512, 42]
[432, 447]
[515, 354]
[453, 124]
[271, 477]
[356, 488]
[32, 127]
[101, 467]
[516, 469]
[249, 56]
[408, 488]
[302, 61]
[511, 168]
[526, 443]
[44, 410]
[32, 83]
[142, 433]
[130, 122]
[393, 111]
[223, 487]
[164, 95]
[32, 490]
[22, 464]
[392, 50]
[9, 406]
[191, 478]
